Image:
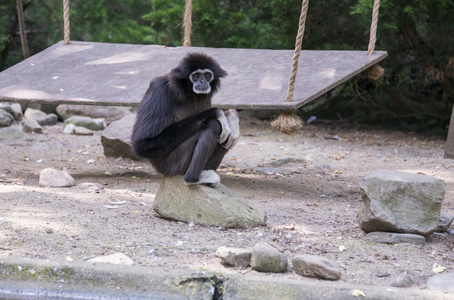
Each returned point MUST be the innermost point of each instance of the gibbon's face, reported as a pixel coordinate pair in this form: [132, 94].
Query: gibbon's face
[201, 80]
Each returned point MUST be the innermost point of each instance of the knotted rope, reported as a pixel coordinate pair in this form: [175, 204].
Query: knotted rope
[288, 122]
[66, 21]
[187, 23]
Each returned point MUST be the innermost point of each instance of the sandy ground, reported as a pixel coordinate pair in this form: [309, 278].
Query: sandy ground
[307, 184]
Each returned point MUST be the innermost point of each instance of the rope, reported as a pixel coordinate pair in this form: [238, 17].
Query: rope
[373, 28]
[296, 55]
[187, 23]
[288, 122]
[375, 71]
[66, 21]
[23, 36]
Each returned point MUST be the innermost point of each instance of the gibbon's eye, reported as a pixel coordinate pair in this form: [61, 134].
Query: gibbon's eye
[195, 76]
[208, 76]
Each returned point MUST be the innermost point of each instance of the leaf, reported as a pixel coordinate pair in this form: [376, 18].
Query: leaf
[342, 248]
[358, 293]
[438, 268]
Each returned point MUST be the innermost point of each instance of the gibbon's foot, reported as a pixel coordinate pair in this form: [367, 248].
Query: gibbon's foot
[208, 177]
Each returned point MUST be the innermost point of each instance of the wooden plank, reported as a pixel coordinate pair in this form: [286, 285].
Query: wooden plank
[119, 74]
[449, 150]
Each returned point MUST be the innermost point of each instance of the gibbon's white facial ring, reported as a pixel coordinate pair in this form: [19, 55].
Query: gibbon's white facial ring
[201, 81]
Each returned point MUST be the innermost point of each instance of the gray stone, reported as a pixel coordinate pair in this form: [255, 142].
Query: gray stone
[402, 280]
[266, 258]
[109, 113]
[55, 178]
[316, 266]
[31, 126]
[6, 119]
[90, 187]
[444, 222]
[395, 238]
[41, 117]
[87, 122]
[83, 131]
[10, 133]
[12, 108]
[17, 111]
[441, 282]
[268, 170]
[116, 138]
[205, 205]
[285, 161]
[237, 257]
[115, 259]
[400, 202]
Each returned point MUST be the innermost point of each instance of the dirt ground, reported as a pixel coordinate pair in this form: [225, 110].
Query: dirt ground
[307, 184]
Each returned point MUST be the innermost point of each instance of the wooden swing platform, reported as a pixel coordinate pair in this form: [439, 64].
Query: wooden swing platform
[119, 74]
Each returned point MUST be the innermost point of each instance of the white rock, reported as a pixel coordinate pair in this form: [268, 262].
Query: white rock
[116, 259]
[69, 128]
[83, 131]
[55, 178]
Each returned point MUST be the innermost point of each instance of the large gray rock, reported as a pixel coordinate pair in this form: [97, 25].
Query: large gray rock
[109, 113]
[400, 202]
[11, 133]
[205, 205]
[41, 117]
[266, 258]
[116, 138]
[6, 119]
[87, 122]
[316, 266]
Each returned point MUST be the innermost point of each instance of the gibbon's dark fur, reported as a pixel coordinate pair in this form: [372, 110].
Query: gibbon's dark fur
[177, 129]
